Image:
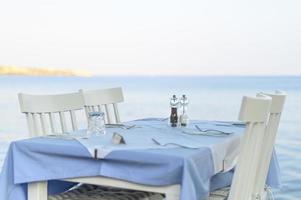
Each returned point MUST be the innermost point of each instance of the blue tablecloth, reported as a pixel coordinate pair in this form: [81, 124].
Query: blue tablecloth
[41, 159]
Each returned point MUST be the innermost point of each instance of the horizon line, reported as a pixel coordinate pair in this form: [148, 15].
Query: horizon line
[161, 75]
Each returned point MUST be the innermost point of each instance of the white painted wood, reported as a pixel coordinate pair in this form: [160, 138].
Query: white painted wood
[37, 107]
[278, 100]
[116, 112]
[49, 103]
[99, 108]
[63, 122]
[108, 114]
[44, 123]
[73, 120]
[105, 97]
[30, 124]
[264, 195]
[36, 124]
[52, 123]
[255, 112]
[173, 194]
[37, 191]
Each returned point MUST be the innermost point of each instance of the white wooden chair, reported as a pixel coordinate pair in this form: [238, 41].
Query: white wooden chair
[278, 100]
[104, 100]
[47, 114]
[254, 112]
[256, 148]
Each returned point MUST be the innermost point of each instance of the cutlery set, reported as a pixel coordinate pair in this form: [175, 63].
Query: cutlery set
[199, 131]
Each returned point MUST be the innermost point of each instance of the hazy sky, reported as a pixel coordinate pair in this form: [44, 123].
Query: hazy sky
[153, 36]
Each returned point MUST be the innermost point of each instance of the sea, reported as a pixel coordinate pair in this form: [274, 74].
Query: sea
[210, 98]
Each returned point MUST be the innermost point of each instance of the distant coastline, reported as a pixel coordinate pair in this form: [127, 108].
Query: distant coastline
[35, 71]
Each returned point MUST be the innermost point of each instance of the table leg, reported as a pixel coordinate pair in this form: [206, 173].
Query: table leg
[37, 190]
[173, 194]
[169, 196]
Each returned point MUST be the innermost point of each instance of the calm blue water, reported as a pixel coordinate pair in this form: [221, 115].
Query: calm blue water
[216, 98]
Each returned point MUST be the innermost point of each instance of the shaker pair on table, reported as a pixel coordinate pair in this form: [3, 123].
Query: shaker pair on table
[174, 104]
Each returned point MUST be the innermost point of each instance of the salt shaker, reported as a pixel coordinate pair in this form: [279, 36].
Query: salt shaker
[184, 117]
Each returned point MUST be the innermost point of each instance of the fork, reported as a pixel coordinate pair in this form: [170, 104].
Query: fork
[128, 127]
[212, 130]
[122, 126]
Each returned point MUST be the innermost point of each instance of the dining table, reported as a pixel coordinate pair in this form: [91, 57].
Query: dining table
[200, 157]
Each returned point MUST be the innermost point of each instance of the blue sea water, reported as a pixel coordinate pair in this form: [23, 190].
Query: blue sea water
[212, 98]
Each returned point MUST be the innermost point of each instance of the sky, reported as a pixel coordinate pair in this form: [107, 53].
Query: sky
[153, 37]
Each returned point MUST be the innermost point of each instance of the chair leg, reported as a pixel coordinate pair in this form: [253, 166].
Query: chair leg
[265, 195]
[172, 196]
[37, 191]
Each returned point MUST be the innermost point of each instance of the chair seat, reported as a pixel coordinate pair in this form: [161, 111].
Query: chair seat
[92, 192]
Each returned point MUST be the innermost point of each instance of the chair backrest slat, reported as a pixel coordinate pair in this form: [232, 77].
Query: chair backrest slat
[63, 122]
[104, 100]
[116, 112]
[73, 120]
[99, 108]
[44, 123]
[108, 114]
[30, 124]
[52, 122]
[36, 124]
[254, 112]
[41, 111]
